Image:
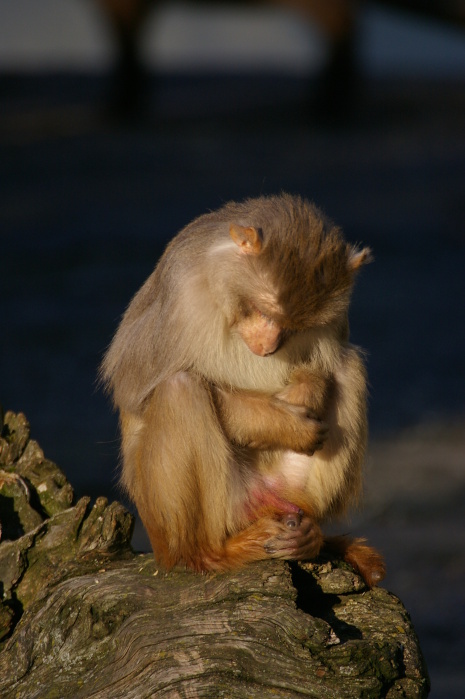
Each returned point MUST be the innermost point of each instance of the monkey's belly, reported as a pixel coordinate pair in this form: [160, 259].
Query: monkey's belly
[295, 468]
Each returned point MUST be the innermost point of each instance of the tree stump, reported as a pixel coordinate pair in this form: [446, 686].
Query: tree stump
[83, 615]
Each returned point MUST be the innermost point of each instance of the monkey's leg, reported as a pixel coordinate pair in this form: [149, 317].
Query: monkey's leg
[180, 472]
[261, 421]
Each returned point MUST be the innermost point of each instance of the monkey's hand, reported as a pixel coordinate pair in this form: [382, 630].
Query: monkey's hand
[307, 387]
[306, 432]
[300, 538]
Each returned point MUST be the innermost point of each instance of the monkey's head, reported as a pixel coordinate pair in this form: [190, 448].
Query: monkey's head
[296, 271]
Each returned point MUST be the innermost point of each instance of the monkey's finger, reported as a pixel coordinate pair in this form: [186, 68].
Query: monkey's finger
[306, 551]
[295, 526]
[296, 548]
[296, 551]
[312, 415]
[320, 438]
[296, 542]
[297, 410]
[295, 539]
[316, 447]
[319, 427]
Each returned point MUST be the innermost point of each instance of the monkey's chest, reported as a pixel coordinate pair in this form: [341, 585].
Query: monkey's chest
[229, 363]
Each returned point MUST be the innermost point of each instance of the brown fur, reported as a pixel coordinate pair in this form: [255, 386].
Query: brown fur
[242, 403]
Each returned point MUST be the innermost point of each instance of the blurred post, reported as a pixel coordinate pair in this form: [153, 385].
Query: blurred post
[126, 19]
[337, 19]
[337, 85]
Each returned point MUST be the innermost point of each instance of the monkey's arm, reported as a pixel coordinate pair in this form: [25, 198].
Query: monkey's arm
[263, 421]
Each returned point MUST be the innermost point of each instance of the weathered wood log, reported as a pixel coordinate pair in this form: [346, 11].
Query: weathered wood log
[82, 615]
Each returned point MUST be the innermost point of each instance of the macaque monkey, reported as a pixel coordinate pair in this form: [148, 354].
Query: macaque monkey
[242, 404]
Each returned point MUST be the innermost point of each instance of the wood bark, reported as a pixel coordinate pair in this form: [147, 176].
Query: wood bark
[83, 615]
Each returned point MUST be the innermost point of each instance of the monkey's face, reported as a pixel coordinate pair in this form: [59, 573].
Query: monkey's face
[274, 309]
[261, 333]
[289, 280]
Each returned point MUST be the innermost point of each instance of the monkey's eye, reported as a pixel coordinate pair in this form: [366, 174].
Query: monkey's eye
[262, 315]
[256, 311]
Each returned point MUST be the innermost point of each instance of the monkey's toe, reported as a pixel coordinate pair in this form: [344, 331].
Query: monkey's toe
[300, 540]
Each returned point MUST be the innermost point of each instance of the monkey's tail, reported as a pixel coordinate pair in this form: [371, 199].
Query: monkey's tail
[365, 559]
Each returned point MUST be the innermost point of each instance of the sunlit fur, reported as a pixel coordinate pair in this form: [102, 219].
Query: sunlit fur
[219, 443]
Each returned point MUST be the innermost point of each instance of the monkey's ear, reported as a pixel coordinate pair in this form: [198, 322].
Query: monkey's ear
[357, 258]
[248, 239]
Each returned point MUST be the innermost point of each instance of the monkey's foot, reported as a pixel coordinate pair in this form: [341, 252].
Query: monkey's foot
[364, 559]
[300, 539]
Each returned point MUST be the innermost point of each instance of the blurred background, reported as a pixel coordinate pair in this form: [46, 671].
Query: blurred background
[121, 120]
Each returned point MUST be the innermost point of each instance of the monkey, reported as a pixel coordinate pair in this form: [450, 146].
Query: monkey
[242, 403]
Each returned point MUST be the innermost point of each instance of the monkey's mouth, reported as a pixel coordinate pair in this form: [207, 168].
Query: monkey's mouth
[272, 351]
